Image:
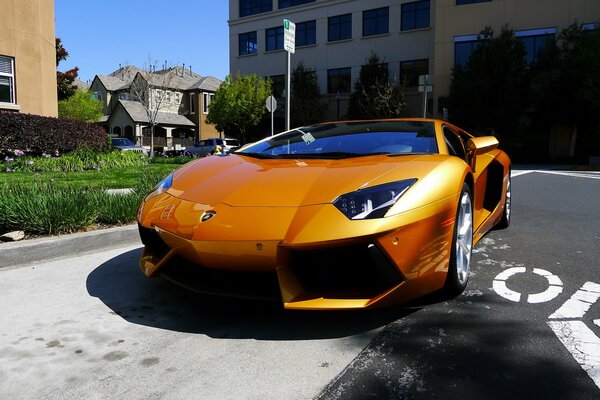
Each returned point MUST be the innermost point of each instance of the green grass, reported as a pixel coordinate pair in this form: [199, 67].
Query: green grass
[69, 196]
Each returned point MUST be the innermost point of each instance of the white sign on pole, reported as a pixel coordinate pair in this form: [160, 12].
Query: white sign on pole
[289, 36]
[271, 103]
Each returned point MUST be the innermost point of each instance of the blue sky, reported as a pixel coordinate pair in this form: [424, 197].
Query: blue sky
[100, 35]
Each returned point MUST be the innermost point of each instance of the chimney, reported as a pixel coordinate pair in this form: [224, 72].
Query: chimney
[182, 70]
[191, 70]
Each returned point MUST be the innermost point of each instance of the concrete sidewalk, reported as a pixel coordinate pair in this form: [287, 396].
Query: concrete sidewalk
[54, 247]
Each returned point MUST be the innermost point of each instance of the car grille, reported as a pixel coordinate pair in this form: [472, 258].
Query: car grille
[356, 271]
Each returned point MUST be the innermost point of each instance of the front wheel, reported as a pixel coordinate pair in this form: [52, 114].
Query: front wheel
[462, 244]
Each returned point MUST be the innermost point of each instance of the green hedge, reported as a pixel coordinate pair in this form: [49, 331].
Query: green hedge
[35, 134]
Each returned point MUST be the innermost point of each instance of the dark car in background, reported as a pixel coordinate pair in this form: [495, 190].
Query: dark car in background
[209, 146]
[124, 144]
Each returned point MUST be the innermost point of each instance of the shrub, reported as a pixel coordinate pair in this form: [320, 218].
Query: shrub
[36, 134]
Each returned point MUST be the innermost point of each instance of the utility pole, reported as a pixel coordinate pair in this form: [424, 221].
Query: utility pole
[289, 44]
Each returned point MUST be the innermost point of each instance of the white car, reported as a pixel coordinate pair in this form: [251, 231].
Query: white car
[208, 146]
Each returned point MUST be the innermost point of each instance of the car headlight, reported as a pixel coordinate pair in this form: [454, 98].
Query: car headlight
[161, 187]
[372, 202]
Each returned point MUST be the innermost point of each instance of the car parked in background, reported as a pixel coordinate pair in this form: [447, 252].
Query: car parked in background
[124, 144]
[209, 146]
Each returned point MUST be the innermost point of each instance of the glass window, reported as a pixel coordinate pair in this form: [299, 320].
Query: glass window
[248, 44]
[7, 80]
[463, 48]
[292, 3]
[251, 7]
[411, 70]
[461, 2]
[339, 80]
[306, 33]
[376, 22]
[339, 27]
[206, 99]
[192, 103]
[274, 38]
[535, 40]
[415, 15]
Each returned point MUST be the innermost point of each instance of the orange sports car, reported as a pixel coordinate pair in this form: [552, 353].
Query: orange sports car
[352, 214]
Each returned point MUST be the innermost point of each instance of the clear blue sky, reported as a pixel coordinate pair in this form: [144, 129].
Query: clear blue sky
[100, 35]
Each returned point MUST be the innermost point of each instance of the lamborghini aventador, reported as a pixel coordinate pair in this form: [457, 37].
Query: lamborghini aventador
[351, 214]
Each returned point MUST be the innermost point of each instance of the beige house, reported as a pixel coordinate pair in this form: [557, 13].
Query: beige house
[28, 57]
[422, 37]
[177, 99]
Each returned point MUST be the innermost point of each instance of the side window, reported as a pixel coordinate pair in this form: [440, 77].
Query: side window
[454, 143]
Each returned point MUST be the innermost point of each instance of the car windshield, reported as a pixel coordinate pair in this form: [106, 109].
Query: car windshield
[122, 142]
[348, 139]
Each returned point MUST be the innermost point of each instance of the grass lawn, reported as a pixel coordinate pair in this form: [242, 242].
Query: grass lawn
[111, 178]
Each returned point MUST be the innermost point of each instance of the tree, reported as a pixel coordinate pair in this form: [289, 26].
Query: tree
[566, 84]
[374, 95]
[81, 106]
[64, 80]
[149, 89]
[490, 91]
[239, 104]
[306, 98]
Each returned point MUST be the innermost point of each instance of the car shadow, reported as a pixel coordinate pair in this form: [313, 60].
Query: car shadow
[157, 303]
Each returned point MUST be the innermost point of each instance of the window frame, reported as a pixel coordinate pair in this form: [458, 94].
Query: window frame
[340, 27]
[246, 39]
[545, 33]
[192, 103]
[466, 2]
[275, 32]
[376, 18]
[410, 83]
[292, 3]
[11, 81]
[304, 29]
[340, 72]
[412, 9]
[254, 7]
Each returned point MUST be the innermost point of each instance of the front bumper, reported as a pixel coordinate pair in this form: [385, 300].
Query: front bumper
[352, 264]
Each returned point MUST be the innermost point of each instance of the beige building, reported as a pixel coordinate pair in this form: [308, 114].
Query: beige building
[180, 95]
[335, 37]
[28, 57]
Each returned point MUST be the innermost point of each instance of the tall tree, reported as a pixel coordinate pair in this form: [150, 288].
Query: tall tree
[566, 84]
[149, 89]
[490, 91]
[374, 95]
[308, 107]
[64, 80]
[239, 104]
[81, 106]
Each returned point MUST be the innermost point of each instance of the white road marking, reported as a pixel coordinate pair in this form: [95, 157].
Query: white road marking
[572, 174]
[555, 286]
[582, 343]
[578, 338]
[517, 173]
[579, 303]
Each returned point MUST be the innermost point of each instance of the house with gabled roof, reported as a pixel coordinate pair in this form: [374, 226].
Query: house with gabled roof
[179, 95]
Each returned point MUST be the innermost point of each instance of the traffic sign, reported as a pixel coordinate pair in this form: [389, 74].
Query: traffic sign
[271, 103]
[289, 36]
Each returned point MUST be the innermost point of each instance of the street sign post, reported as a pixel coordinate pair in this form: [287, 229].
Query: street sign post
[289, 44]
[271, 104]
[425, 86]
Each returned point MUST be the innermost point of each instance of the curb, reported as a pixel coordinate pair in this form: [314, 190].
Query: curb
[55, 247]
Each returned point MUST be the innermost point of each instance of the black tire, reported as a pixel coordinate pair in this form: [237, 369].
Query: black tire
[462, 244]
[507, 210]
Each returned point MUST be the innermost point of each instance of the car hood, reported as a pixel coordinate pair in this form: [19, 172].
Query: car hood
[243, 181]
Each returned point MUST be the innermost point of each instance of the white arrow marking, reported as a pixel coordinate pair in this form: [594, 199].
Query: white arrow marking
[582, 343]
[579, 303]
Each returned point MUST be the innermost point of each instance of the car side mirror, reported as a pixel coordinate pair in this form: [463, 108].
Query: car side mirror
[480, 145]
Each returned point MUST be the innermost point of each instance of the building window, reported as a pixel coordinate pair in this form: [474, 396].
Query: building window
[177, 98]
[415, 15]
[376, 22]
[169, 97]
[339, 27]
[192, 103]
[292, 3]
[411, 70]
[461, 2]
[306, 33]
[589, 27]
[339, 80]
[251, 7]
[206, 100]
[98, 96]
[274, 38]
[7, 80]
[248, 44]
[463, 48]
[122, 96]
[535, 40]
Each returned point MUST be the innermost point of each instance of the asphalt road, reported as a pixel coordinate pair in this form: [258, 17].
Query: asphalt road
[527, 327]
